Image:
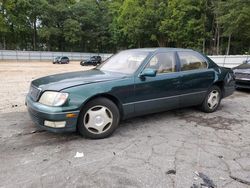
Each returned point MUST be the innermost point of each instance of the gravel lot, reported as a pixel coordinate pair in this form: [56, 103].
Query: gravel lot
[160, 150]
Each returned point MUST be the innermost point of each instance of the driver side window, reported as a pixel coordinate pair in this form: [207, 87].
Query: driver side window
[163, 62]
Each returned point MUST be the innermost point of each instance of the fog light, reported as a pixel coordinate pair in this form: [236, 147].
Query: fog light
[55, 124]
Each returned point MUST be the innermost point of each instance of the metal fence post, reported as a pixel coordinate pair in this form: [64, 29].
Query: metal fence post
[16, 56]
[224, 61]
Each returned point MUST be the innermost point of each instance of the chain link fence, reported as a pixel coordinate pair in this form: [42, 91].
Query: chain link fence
[230, 60]
[13, 55]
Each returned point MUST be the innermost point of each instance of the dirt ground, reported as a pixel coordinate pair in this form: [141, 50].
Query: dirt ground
[180, 148]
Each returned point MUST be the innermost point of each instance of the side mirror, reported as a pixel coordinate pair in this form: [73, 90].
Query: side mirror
[245, 62]
[148, 72]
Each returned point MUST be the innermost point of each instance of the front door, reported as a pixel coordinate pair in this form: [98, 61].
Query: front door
[154, 94]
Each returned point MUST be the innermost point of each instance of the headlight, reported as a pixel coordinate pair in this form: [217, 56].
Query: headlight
[53, 98]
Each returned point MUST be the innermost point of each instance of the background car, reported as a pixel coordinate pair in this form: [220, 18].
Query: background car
[94, 60]
[61, 60]
[242, 75]
[131, 83]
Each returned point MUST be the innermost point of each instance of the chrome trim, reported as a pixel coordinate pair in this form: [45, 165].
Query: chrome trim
[163, 98]
[245, 79]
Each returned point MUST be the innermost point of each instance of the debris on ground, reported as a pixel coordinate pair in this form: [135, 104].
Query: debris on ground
[79, 155]
[240, 180]
[222, 178]
[207, 182]
[171, 172]
[194, 186]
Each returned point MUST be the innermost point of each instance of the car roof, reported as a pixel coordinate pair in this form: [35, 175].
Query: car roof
[160, 49]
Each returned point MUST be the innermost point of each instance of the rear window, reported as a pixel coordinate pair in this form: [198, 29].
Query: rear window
[191, 61]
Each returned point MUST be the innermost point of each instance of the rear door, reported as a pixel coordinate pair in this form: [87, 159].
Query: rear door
[196, 78]
[153, 94]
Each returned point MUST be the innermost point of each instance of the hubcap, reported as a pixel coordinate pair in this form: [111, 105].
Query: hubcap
[213, 99]
[98, 119]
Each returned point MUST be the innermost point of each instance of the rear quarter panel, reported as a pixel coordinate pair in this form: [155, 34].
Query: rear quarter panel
[228, 79]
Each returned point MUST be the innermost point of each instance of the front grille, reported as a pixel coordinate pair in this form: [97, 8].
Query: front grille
[34, 92]
[242, 76]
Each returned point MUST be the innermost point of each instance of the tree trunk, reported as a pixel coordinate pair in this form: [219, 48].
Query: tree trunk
[4, 42]
[48, 45]
[34, 34]
[139, 44]
[161, 40]
[204, 46]
[228, 44]
[161, 43]
[218, 39]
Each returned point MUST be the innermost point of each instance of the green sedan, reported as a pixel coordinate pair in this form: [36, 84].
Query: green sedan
[131, 83]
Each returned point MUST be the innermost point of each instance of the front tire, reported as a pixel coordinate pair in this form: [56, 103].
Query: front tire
[98, 119]
[212, 100]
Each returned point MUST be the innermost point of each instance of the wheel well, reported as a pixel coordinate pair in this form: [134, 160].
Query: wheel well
[220, 84]
[110, 97]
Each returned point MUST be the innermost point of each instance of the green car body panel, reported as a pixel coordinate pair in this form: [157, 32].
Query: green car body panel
[133, 95]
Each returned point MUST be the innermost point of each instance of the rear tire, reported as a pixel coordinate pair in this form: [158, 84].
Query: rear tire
[212, 100]
[98, 119]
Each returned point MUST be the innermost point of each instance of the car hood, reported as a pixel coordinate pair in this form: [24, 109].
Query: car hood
[243, 68]
[58, 82]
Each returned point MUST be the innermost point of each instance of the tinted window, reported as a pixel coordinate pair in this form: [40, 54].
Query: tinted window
[163, 62]
[64, 58]
[191, 61]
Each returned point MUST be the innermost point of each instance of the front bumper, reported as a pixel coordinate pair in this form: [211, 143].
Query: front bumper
[39, 113]
[243, 83]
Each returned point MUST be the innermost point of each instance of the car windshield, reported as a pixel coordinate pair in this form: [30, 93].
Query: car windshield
[126, 62]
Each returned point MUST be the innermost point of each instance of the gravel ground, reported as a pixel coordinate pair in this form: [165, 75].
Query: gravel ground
[180, 148]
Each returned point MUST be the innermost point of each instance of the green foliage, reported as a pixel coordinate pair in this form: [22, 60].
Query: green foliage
[72, 30]
[234, 17]
[111, 25]
[185, 23]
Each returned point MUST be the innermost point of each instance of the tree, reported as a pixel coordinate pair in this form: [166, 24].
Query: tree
[234, 16]
[185, 23]
[212, 26]
[3, 30]
[130, 20]
[72, 30]
[155, 11]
